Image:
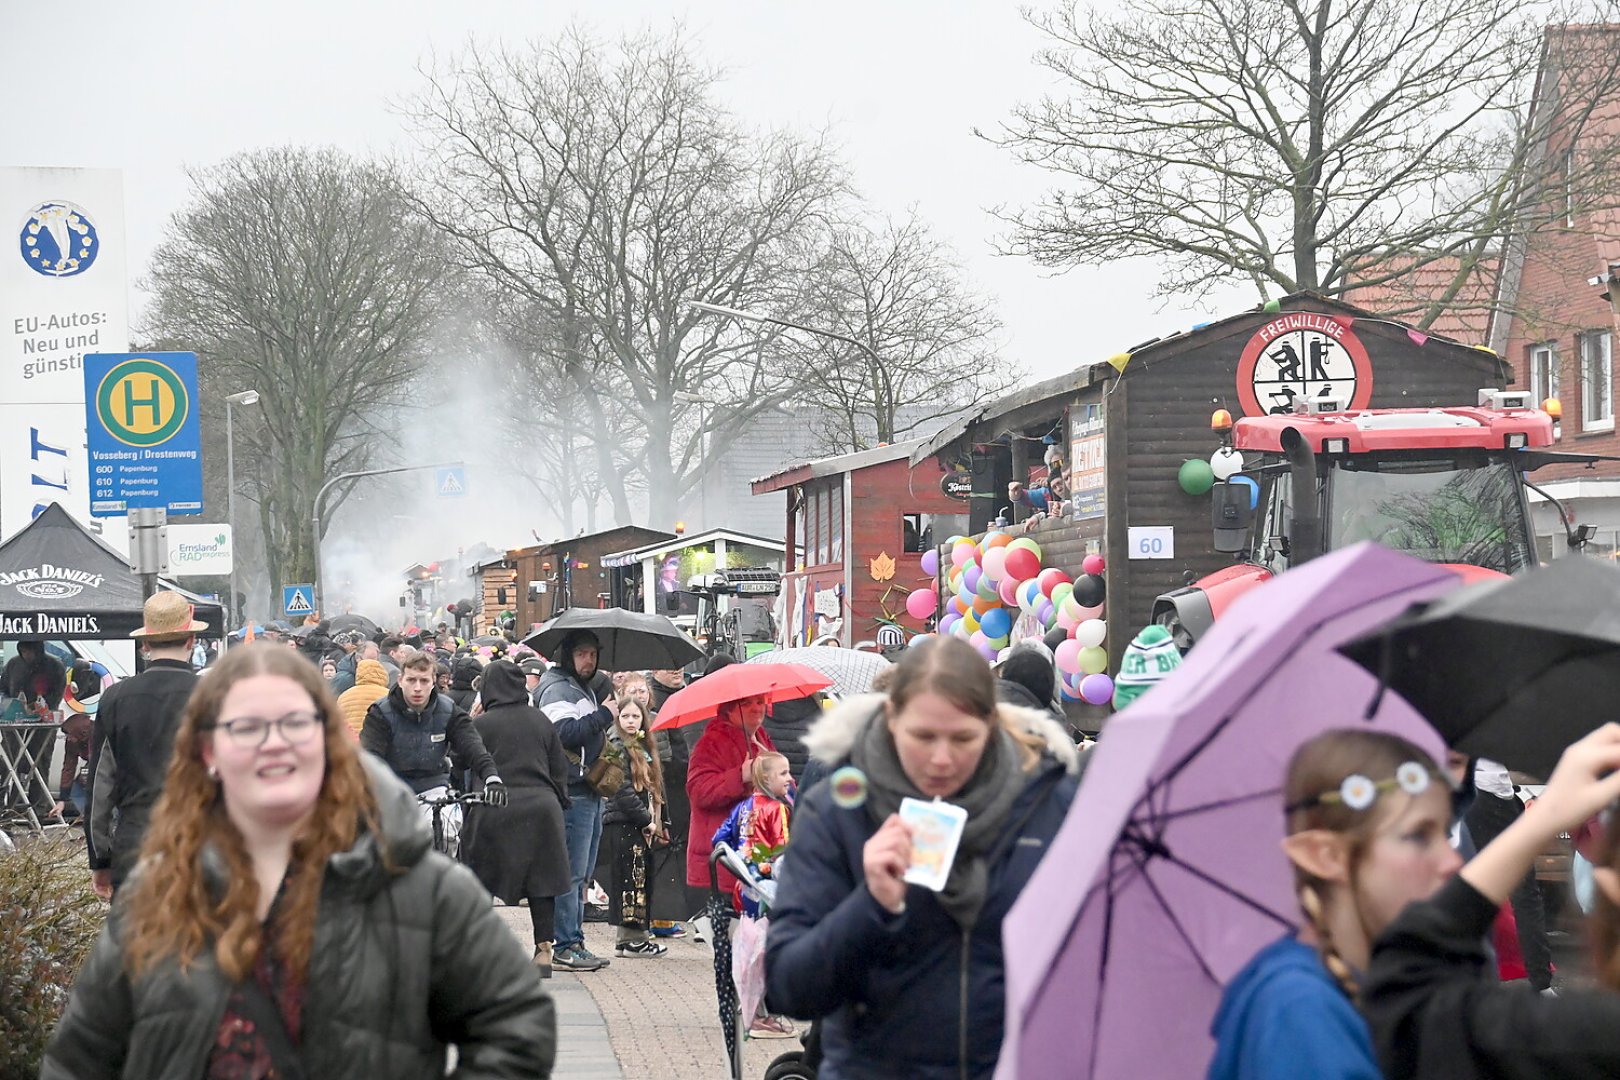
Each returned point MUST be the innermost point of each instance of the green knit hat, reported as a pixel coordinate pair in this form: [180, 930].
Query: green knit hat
[1148, 658]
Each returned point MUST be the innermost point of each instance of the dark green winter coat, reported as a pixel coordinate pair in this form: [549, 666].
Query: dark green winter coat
[403, 965]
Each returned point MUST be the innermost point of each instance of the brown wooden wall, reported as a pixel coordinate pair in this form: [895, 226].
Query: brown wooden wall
[1167, 401]
[587, 583]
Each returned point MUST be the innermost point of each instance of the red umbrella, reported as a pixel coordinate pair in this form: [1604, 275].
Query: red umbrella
[738, 682]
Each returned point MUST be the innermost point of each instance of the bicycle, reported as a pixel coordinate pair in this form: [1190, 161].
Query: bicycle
[449, 842]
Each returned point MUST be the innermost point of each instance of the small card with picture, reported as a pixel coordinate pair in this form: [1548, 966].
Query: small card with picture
[936, 830]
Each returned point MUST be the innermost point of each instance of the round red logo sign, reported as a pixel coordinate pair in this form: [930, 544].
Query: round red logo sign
[1300, 356]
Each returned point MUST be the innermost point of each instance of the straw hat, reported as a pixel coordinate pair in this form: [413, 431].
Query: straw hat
[167, 615]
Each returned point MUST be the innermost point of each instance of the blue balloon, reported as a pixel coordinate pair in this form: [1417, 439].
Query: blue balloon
[996, 623]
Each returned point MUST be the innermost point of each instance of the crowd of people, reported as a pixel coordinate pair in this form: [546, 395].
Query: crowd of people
[265, 829]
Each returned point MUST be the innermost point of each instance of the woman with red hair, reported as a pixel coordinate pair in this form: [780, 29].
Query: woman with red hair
[289, 918]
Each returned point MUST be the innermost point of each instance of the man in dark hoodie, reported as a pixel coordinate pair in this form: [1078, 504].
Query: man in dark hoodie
[582, 710]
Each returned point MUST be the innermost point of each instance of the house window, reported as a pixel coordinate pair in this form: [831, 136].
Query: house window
[1543, 372]
[1597, 382]
[835, 532]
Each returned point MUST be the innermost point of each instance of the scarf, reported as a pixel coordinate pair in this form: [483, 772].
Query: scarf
[988, 796]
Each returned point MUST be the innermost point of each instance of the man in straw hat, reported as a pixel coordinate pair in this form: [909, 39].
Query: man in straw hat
[134, 736]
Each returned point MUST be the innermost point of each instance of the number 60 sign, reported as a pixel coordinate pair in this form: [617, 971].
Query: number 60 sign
[1151, 541]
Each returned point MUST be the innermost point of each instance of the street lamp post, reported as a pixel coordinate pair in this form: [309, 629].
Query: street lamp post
[246, 397]
[321, 495]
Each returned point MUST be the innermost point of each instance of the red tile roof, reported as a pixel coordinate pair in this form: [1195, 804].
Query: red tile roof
[1468, 316]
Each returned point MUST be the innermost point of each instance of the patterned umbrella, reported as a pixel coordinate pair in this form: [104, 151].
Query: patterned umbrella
[851, 671]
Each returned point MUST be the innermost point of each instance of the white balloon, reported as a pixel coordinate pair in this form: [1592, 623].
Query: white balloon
[1091, 633]
[1226, 463]
[1001, 657]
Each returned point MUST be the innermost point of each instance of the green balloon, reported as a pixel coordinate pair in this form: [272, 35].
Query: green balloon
[1196, 477]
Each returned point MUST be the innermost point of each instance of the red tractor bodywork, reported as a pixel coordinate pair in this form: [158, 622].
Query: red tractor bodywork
[1440, 450]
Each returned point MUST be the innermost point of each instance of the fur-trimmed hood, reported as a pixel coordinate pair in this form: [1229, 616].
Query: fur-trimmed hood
[831, 738]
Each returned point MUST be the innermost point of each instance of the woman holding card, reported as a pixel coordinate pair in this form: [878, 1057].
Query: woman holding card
[881, 928]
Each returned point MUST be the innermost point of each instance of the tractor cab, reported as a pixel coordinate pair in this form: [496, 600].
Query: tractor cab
[734, 610]
[1446, 485]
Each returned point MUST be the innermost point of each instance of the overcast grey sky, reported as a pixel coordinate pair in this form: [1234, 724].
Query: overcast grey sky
[153, 86]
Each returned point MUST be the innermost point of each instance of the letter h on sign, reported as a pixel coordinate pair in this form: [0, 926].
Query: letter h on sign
[152, 404]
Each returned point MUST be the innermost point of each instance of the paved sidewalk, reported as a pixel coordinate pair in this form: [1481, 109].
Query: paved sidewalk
[650, 1018]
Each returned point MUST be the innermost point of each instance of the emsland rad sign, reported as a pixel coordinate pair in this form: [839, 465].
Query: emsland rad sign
[200, 550]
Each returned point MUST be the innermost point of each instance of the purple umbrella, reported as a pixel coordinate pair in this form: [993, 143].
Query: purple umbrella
[1168, 874]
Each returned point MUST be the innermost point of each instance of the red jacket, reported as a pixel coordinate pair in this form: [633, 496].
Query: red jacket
[714, 784]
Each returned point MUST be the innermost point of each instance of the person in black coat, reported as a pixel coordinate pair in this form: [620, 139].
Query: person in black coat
[464, 675]
[786, 723]
[520, 851]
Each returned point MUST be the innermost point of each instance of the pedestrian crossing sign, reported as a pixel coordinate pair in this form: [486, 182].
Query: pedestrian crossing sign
[298, 599]
[450, 482]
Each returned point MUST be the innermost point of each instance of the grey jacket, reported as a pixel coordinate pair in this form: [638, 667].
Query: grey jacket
[404, 963]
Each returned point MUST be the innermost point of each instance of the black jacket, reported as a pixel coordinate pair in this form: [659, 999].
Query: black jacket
[425, 767]
[19, 678]
[1436, 1010]
[463, 673]
[131, 743]
[404, 963]
[786, 723]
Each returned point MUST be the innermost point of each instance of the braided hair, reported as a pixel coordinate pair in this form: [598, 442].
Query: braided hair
[1318, 769]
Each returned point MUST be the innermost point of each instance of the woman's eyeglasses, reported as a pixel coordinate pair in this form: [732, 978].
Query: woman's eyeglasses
[295, 727]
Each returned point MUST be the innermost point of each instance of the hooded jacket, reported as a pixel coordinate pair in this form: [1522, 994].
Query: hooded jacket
[370, 683]
[463, 674]
[911, 994]
[344, 680]
[581, 722]
[408, 957]
[1284, 1010]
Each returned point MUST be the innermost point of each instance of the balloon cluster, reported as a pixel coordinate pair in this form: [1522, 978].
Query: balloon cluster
[990, 585]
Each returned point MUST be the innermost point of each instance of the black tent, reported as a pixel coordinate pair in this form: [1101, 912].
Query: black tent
[58, 580]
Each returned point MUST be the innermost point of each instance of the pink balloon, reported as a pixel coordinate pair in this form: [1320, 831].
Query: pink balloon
[1067, 655]
[922, 603]
[1067, 621]
[1090, 612]
[978, 640]
[1094, 564]
[1008, 590]
[994, 563]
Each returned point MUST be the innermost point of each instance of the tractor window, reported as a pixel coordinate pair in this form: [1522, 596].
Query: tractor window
[1437, 510]
[1271, 539]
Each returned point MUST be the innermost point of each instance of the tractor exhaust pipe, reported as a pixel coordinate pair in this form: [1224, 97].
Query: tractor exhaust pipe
[1305, 529]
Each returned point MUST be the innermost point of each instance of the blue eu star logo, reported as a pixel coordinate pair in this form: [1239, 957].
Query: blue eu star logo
[59, 240]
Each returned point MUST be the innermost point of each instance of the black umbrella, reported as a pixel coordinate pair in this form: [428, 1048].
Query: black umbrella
[302, 632]
[1513, 669]
[354, 622]
[630, 640]
[489, 639]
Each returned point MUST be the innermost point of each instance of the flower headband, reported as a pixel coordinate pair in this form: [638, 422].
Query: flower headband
[1359, 792]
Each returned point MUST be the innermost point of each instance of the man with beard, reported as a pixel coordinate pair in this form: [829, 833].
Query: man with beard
[582, 710]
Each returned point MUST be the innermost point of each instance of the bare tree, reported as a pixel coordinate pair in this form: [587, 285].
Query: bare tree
[919, 342]
[1310, 144]
[301, 274]
[605, 186]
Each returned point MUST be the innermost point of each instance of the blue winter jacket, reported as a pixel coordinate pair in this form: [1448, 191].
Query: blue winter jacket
[1283, 1016]
[908, 995]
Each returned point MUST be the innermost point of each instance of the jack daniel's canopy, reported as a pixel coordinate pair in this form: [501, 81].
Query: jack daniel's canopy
[60, 581]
